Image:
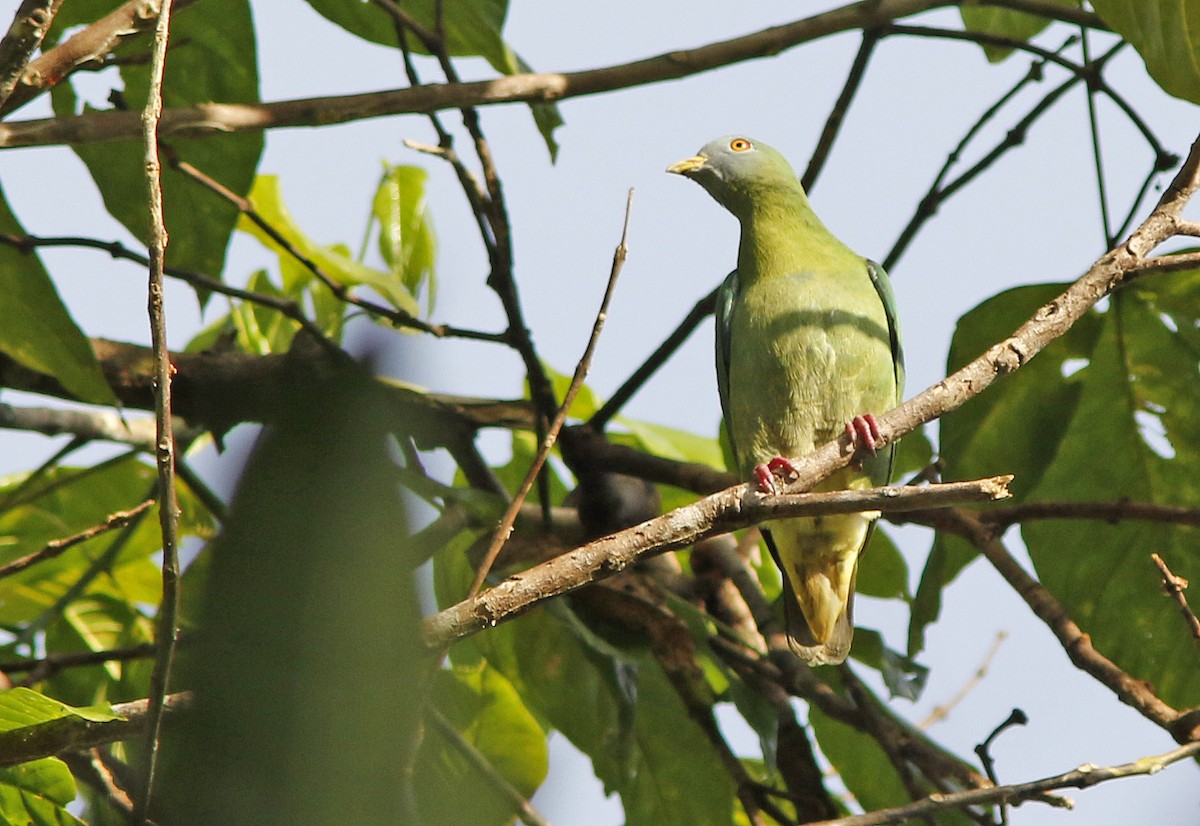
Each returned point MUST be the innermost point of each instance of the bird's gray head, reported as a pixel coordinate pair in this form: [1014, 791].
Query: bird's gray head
[736, 169]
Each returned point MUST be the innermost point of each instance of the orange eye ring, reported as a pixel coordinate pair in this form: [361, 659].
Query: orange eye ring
[740, 145]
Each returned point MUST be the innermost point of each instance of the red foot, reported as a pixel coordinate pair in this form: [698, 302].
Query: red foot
[863, 432]
[779, 469]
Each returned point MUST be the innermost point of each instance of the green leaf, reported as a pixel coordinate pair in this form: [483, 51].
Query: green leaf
[903, 676]
[489, 716]
[882, 571]
[335, 261]
[35, 327]
[1134, 434]
[859, 761]
[406, 239]
[642, 743]
[213, 57]
[65, 501]
[1010, 428]
[36, 793]
[1166, 33]
[22, 708]
[1005, 23]
[913, 454]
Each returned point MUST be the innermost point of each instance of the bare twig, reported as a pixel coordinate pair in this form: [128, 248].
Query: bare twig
[28, 29]
[168, 608]
[942, 711]
[206, 120]
[1002, 517]
[1081, 778]
[833, 123]
[1174, 586]
[984, 752]
[57, 547]
[505, 527]
[51, 664]
[719, 513]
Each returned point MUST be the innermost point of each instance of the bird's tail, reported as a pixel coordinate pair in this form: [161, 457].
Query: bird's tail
[819, 572]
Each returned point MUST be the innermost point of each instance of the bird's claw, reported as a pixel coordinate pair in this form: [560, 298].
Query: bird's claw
[768, 475]
[863, 432]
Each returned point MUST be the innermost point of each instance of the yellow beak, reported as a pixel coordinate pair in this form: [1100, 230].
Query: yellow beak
[687, 166]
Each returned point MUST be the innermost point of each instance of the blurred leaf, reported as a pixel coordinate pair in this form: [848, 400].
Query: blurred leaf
[22, 707]
[489, 716]
[1166, 33]
[35, 327]
[636, 731]
[1134, 434]
[406, 239]
[334, 261]
[1010, 428]
[37, 793]
[213, 57]
[1005, 23]
[305, 574]
[100, 623]
[470, 27]
[882, 571]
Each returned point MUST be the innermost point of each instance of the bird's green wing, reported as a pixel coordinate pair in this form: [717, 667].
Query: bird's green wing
[726, 296]
[883, 287]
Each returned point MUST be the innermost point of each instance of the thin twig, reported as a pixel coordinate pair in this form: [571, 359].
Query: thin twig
[942, 711]
[51, 664]
[984, 751]
[1094, 131]
[168, 608]
[1081, 778]
[506, 524]
[837, 115]
[1002, 517]
[57, 547]
[1174, 586]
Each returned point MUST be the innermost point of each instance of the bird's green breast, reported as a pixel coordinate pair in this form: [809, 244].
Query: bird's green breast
[809, 350]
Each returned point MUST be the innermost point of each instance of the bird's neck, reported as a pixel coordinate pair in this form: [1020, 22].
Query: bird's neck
[781, 236]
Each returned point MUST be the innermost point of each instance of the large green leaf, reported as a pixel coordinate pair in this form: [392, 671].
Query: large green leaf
[1005, 23]
[1166, 33]
[489, 716]
[1010, 428]
[37, 794]
[99, 623]
[35, 327]
[1134, 434]
[471, 28]
[212, 58]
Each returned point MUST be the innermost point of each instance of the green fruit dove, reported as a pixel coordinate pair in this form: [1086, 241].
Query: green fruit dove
[808, 347]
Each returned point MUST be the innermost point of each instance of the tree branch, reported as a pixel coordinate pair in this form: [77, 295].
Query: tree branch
[1174, 586]
[1081, 778]
[207, 120]
[30, 24]
[728, 510]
